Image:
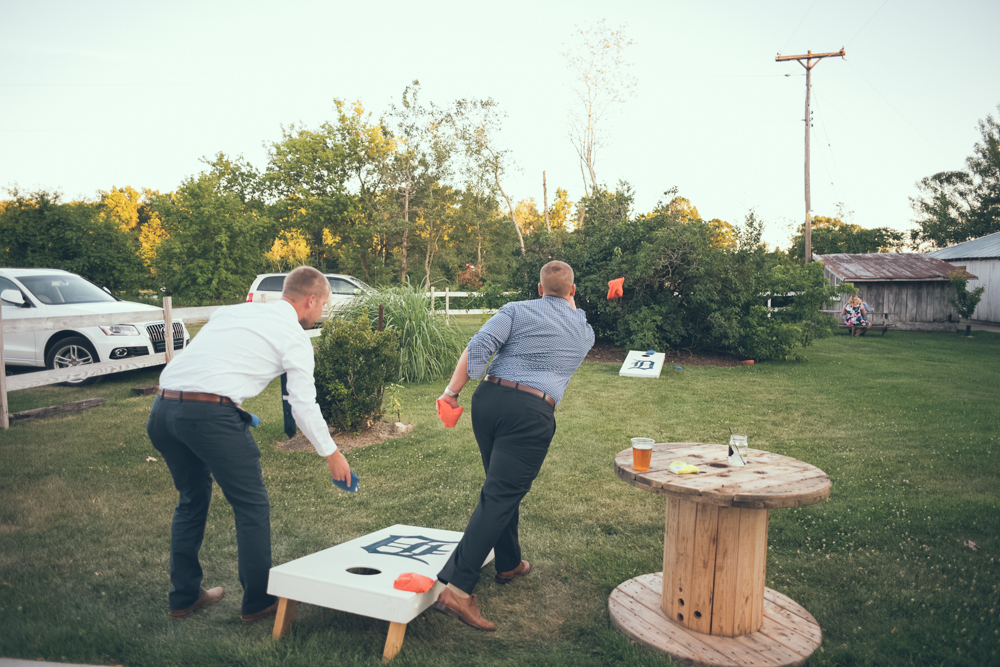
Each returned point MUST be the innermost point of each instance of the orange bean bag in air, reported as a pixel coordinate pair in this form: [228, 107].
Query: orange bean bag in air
[615, 288]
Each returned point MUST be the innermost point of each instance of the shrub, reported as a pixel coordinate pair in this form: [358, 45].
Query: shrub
[683, 289]
[428, 348]
[354, 364]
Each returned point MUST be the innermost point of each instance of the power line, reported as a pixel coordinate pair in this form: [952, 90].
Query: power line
[799, 25]
[833, 158]
[867, 22]
[912, 126]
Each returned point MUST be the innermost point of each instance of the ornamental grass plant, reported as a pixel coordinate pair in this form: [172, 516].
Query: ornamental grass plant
[428, 347]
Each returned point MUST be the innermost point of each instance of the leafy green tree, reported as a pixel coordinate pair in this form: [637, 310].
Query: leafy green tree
[36, 230]
[833, 235]
[215, 246]
[683, 289]
[308, 176]
[965, 300]
[955, 206]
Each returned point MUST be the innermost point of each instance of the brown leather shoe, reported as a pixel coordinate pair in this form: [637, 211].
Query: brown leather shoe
[207, 599]
[519, 571]
[260, 615]
[464, 610]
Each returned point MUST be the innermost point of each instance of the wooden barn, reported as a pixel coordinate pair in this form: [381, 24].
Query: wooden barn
[911, 289]
[981, 257]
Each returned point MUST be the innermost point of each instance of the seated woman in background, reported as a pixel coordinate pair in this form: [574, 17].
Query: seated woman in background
[855, 316]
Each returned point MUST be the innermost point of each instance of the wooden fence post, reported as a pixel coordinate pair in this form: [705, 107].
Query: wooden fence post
[446, 306]
[168, 327]
[4, 417]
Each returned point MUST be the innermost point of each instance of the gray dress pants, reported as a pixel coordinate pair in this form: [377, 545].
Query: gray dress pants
[200, 441]
[513, 430]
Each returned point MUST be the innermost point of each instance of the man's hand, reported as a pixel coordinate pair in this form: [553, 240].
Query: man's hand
[340, 470]
[450, 400]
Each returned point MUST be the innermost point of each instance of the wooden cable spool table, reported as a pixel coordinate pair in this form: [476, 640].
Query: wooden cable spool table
[709, 606]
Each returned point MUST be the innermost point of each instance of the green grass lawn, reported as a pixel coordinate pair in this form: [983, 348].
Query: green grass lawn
[906, 426]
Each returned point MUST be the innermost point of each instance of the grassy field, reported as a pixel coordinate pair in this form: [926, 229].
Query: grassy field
[906, 426]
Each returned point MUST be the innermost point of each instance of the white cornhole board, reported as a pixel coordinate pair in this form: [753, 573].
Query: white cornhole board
[324, 578]
[638, 364]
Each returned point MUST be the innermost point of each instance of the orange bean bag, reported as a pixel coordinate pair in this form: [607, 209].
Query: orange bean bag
[413, 582]
[448, 414]
[615, 287]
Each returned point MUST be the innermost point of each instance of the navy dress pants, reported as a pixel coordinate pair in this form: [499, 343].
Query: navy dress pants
[513, 429]
[200, 441]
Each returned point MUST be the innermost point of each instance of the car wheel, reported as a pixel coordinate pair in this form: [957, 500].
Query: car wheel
[69, 352]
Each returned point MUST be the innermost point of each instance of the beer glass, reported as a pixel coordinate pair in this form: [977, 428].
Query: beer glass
[642, 452]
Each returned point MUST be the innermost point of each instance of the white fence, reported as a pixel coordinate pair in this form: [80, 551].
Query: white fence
[448, 311]
[76, 373]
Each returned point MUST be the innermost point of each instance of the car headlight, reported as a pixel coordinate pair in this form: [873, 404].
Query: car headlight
[119, 330]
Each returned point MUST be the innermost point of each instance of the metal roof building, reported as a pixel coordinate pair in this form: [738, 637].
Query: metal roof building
[909, 290]
[985, 247]
[981, 257]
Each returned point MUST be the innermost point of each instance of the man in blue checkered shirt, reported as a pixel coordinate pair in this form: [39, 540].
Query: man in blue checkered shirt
[536, 347]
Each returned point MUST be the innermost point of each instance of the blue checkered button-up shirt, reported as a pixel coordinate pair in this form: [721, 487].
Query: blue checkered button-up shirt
[539, 343]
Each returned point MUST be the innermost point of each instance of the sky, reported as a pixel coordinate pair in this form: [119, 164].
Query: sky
[102, 94]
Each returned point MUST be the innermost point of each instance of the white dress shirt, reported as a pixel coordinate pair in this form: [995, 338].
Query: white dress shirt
[241, 349]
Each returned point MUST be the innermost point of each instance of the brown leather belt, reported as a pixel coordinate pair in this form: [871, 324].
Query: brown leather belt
[196, 396]
[523, 387]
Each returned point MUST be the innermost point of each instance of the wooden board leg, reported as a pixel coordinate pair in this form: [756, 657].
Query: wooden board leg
[286, 614]
[394, 641]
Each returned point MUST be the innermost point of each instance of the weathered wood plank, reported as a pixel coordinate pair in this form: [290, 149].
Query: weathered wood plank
[146, 389]
[54, 410]
[42, 378]
[752, 523]
[683, 561]
[774, 652]
[726, 564]
[636, 596]
[786, 608]
[706, 539]
[798, 636]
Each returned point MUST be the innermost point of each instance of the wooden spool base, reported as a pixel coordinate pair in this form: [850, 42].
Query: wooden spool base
[788, 636]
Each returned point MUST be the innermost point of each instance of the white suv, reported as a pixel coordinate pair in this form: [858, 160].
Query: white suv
[47, 293]
[267, 287]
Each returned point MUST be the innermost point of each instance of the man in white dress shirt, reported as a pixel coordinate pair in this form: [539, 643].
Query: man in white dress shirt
[197, 425]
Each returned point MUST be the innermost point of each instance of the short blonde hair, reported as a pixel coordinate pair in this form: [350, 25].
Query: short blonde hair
[854, 300]
[302, 282]
[556, 278]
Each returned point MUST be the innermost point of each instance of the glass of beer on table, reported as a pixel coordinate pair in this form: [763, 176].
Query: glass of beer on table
[642, 452]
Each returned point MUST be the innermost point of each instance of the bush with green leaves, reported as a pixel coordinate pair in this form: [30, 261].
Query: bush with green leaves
[965, 300]
[685, 288]
[354, 365]
[428, 347]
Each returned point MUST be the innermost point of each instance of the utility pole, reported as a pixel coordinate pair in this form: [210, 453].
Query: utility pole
[809, 63]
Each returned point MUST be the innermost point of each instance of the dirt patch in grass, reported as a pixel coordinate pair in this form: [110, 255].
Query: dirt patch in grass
[602, 353]
[346, 440]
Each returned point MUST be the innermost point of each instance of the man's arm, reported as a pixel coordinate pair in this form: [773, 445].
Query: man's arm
[458, 379]
[299, 363]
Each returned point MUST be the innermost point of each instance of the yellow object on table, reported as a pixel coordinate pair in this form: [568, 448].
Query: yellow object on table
[682, 468]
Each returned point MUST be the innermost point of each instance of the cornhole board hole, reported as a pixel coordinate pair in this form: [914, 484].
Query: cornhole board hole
[357, 577]
[640, 364]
